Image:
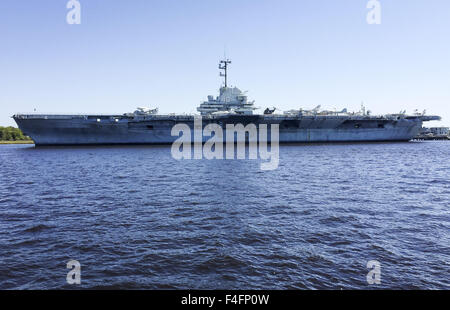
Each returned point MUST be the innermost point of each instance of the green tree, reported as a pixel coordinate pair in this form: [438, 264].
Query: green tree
[11, 134]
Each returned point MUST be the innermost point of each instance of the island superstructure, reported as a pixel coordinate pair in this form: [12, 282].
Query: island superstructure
[147, 126]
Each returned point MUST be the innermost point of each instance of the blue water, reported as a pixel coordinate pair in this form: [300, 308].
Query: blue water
[136, 218]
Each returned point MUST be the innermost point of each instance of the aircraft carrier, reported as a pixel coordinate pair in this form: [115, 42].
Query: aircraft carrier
[147, 126]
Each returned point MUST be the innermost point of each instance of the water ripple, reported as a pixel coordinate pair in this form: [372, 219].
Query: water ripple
[136, 218]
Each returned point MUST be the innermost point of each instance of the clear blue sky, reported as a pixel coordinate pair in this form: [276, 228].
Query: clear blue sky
[287, 53]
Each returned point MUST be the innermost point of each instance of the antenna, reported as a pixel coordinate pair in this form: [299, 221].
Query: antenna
[223, 65]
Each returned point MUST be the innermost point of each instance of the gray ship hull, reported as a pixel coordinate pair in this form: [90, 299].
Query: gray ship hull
[156, 129]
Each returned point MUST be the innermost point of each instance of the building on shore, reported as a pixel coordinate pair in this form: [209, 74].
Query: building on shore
[434, 133]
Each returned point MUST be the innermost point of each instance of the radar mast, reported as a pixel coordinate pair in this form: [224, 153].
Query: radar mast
[223, 65]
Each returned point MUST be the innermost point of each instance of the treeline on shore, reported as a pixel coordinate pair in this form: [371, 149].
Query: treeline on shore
[12, 134]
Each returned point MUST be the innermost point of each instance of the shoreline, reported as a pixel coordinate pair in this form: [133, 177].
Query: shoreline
[18, 142]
